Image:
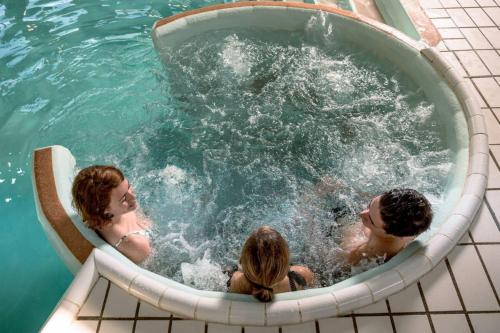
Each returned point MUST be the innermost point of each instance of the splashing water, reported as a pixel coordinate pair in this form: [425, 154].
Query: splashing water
[273, 129]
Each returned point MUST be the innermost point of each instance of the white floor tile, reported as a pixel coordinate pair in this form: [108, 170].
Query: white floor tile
[476, 292]
[495, 150]
[489, 89]
[450, 33]
[151, 326]
[450, 323]
[494, 13]
[255, 329]
[476, 38]
[484, 3]
[309, 327]
[84, 326]
[218, 328]
[484, 228]
[453, 60]
[494, 195]
[494, 175]
[443, 23]
[472, 63]
[489, 253]
[478, 96]
[467, 3]
[441, 46]
[336, 325]
[119, 303]
[485, 323]
[491, 59]
[439, 291]
[492, 35]
[93, 304]
[437, 13]
[146, 310]
[408, 300]
[460, 18]
[492, 126]
[116, 326]
[479, 17]
[374, 324]
[450, 3]
[457, 44]
[496, 111]
[431, 4]
[412, 323]
[188, 326]
[379, 307]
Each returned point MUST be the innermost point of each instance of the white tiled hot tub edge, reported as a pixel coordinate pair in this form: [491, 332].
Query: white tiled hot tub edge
[328, 304]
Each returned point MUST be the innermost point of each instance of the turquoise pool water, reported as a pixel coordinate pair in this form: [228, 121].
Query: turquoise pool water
[65, 67]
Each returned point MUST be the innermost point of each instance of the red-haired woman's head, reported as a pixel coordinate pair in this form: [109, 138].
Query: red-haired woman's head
[95, 190]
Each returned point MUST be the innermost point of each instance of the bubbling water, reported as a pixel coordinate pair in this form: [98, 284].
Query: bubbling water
[281, 129]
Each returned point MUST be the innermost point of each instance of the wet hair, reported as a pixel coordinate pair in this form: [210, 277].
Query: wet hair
[91, 193]
[264, 261]
[405, 212]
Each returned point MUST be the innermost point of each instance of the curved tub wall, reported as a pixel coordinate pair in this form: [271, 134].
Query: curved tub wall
[288, 308]
[402, 51]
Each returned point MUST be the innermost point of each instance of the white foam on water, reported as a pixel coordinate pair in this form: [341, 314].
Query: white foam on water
[173, 175]
[204, 274]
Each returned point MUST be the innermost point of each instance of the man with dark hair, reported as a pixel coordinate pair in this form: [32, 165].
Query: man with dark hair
[390, 222]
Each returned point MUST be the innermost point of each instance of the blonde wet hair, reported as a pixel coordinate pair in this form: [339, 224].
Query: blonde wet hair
[264, 261]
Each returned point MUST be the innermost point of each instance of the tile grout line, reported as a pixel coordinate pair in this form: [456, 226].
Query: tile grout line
[170, 324]
[492, 212]
[488, 15]
[354, 324]
[478, 243]
[494, 116]
[485, 270]
[103, 305]
[390, 315]
[459, 294]
[479, 93]
[426, 307]
[473, 49]
[494, 159]
[439, 312]
[136, 315]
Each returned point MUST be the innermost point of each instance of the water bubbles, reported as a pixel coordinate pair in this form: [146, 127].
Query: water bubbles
[204, 274]
[173, 175]
[261, 120]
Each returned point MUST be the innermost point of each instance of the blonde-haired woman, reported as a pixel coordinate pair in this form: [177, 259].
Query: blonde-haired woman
[265, 268]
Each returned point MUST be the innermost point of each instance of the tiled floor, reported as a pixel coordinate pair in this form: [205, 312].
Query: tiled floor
[460, 295]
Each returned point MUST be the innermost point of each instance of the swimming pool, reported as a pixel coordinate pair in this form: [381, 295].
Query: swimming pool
[424, 64]
[68, 67]
[65, 66]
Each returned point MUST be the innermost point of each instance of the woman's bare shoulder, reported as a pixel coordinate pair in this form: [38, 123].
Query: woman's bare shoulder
[305, 272]
[239, 284]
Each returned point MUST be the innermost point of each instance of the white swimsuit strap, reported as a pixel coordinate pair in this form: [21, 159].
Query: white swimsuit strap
[142, 232]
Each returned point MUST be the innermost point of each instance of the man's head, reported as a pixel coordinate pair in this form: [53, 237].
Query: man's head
[398, 212]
